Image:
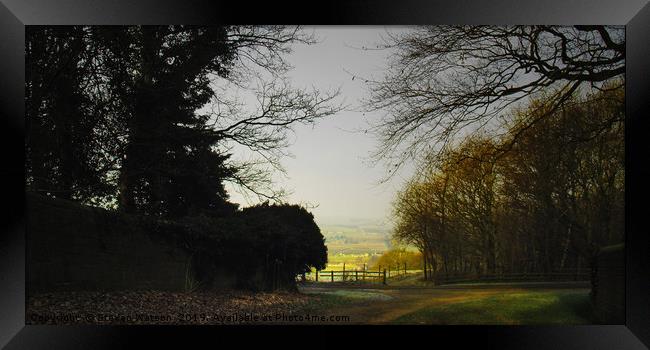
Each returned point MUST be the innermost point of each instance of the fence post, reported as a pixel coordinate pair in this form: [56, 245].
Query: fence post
[405, 268]
[384, 276]
[316, 275]
[332, 273]
[343, 278]
[356, 275]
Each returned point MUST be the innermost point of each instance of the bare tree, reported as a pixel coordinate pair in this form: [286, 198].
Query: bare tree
[258, 78]
[446, 81]
[547, 205]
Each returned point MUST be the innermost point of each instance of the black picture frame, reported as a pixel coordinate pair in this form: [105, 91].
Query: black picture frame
[15, 14]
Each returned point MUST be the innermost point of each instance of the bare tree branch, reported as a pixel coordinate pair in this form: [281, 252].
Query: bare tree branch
[444, 82]
[256, 106]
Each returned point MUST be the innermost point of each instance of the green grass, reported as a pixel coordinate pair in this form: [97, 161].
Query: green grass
[412, 278]
[357, 295]
[354, 240]
[529, 308]
[324, 300]
[351, 261]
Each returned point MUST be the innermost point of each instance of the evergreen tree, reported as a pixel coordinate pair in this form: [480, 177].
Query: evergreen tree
[115, 114]
[170, 159]
[62, 155]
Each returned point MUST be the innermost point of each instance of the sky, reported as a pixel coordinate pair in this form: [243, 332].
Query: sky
[330, 166]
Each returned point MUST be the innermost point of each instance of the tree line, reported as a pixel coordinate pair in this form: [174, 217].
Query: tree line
[398, 258]
[143, 119]
[547, 204]
[518, 132]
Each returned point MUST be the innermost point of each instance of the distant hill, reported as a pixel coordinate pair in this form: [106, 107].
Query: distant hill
[355, 236]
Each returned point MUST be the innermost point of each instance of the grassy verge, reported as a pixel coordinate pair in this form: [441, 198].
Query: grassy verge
[412, 278]
[326, 300]
[529, 308]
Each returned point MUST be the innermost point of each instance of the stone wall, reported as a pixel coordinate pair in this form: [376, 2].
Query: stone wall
[608, 285]
[76, 247]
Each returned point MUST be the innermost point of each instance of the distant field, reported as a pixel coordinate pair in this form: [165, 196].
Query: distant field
[351, 261]
[337, 247]
[354, 245]
[349, 239]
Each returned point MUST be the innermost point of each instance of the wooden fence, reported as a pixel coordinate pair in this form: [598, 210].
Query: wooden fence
[560, 276]
[380, 276]
[348, 276]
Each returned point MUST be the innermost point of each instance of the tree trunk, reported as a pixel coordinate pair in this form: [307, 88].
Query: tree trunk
[424, 265]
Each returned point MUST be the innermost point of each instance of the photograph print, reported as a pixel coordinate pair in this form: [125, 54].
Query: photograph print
[325, 175]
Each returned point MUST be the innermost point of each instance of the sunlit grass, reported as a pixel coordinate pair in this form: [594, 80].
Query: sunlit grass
[552, 307]
[357, 295]
[352, 261]
[325, 300]
[411, 278]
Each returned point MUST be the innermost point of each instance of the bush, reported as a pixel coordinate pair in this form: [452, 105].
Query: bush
[265, 246]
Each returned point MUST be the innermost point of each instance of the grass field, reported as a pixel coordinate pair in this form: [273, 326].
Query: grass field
[527, 308]
[505, 305]
[351, 261]
[355, 240]
[410, 300]
[354, 245]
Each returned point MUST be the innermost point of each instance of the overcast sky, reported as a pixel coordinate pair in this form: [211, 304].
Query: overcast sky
[330, 166]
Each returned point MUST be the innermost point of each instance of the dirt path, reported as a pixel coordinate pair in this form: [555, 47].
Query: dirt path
[392, 303]
[405, 302]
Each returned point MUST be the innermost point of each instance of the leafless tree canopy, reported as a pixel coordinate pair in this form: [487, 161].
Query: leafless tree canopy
[445, 81]
[548, 204]
[263, 123]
